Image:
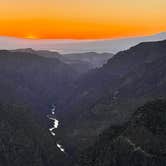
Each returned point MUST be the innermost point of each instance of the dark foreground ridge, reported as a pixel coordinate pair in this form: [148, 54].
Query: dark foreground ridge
[140, 143]
[25, 140]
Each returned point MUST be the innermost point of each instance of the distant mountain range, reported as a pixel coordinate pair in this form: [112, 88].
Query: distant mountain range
[82, 62]
[78, 46]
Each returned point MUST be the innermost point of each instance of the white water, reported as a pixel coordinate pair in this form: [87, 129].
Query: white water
[55, 126]
[60, 147]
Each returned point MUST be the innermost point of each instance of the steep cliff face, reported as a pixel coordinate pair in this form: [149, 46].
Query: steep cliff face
[141, 142]
[109, 95]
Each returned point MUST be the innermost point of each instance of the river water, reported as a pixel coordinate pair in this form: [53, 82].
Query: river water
[52, 130]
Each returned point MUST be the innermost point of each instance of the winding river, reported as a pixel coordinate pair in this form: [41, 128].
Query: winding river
[55, 126]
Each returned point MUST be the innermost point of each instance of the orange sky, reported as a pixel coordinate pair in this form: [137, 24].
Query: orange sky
[81, 19]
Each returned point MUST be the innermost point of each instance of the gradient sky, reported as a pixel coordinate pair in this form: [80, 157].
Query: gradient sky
[81, 19]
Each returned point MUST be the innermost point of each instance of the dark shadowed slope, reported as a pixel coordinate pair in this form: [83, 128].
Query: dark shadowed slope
[108, 96]
[141, 142]
[25, 140]
[33, 80]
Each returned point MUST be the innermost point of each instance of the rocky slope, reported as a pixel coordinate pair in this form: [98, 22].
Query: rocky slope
[109, 95]
[140, 142]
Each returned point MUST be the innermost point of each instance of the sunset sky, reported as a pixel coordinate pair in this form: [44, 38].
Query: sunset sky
[81, 19]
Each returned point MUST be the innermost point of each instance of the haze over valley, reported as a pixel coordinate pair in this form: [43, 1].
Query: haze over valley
[78, 46]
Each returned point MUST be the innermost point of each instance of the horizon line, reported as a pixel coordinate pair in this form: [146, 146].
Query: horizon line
[79, 39]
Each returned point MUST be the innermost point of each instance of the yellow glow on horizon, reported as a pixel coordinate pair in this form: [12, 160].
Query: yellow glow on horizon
[31, 37]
